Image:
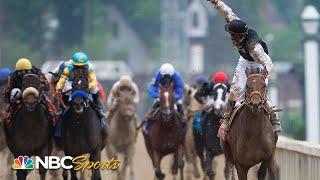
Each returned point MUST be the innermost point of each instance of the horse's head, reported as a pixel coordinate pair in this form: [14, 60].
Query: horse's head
[256, 90]
[79, 101]
[126, 104]
[31, 86]
[166, 100]
[30, 98]
[220, 92]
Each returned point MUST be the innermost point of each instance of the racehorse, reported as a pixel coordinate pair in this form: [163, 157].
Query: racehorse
[122, 132]
[192, 106]
[166, 135]
[206, 141]
[81, 128]
[251, 139]
[4, 150]
[31, 131]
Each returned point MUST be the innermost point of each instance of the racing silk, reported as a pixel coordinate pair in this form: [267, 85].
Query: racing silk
[70, 72]
[177, 86]
[16, 81]
[207, 90]
[114, 93]
[253, 47]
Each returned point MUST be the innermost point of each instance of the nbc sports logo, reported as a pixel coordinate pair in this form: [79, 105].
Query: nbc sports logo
[49, 162]
[23, 162]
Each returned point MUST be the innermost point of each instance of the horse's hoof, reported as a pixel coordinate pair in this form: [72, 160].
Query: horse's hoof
[159, 174]
[174, 171]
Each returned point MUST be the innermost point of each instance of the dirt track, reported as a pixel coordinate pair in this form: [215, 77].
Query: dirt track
[143, 167]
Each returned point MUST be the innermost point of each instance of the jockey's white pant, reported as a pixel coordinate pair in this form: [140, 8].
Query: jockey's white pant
[237, 90]
[68, 86]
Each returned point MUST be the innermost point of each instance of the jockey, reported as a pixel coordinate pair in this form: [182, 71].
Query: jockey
[205, 92]
[253, 54]
[125, 83]
[13, 92]
[77, 66]
[199, 81]
[4, 76]
[164, 76]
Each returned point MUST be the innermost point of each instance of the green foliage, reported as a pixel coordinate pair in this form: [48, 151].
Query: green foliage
[12, 50]
[144, 16]
[293, 125]
[286, 45]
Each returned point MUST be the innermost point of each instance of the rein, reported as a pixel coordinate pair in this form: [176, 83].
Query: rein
[249, 96]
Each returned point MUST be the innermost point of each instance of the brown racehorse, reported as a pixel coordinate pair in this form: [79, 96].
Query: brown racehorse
[251, 139]
[166, 135]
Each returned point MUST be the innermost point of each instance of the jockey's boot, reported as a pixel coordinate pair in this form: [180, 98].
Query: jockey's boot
[147, 119]
[224, 128]
[181, 114]
[97, 102]
[273, 117]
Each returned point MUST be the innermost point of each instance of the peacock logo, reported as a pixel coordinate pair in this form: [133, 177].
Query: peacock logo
[23, 162]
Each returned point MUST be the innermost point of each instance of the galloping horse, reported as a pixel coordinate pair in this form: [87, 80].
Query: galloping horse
[251, 139]
[206, 141]
[192, 106]
[123, 133]
[81, 129]
[32, 131]
[166, 135]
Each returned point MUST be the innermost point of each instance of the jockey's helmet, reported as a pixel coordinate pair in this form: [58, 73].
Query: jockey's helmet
[237, 27]
[200, 80]
[23, 64]
[167, 69]
[80, 59]
[125, 80]
[220, 77]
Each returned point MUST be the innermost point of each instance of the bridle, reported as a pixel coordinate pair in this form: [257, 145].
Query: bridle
[248, 97]
[166, 111]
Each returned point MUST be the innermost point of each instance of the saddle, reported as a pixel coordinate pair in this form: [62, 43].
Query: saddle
[238, 109]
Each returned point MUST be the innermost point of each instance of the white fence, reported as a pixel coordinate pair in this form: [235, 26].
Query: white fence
[298, 160]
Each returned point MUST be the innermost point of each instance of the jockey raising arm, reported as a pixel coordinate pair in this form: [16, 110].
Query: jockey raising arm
[80, 65]
[253, 54]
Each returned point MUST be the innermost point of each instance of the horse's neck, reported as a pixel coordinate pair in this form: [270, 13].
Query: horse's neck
[122, 121]
[170, 124]
[254, 120]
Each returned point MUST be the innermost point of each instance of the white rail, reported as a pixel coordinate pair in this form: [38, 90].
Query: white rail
[298, 160]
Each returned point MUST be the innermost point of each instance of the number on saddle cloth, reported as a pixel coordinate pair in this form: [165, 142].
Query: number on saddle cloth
[31, 80]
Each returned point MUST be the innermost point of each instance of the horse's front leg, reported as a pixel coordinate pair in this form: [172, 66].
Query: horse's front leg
[208, 167]
[199, 145]
[95, 156]
[180, 161]
[156, 161]
[42, 170]
[271, 165]
[228, 169]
